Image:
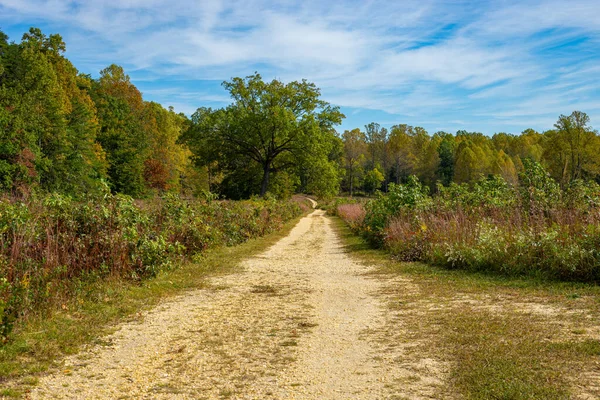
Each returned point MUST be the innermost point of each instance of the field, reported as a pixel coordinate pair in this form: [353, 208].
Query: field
[535, 229]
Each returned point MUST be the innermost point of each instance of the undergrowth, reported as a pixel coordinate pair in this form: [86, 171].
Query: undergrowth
[534, 228]
[53, 248]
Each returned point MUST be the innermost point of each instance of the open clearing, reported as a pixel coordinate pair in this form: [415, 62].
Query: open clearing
[305, 321]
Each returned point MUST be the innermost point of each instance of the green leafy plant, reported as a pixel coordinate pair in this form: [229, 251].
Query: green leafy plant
[51, 244]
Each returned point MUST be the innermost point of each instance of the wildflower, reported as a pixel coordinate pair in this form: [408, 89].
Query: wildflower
[25, 281]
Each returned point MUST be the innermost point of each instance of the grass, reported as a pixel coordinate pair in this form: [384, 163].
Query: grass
[42, 341]
[498, 337]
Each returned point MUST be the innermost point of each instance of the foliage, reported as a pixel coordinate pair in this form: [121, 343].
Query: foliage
[373, 180]
[570, 151]
[51, 244]
[64, 132]
[47, 119]
[354, 158]
[539, 192]
[270, 127]
[490, 193]
[533, 229]
[400, 198]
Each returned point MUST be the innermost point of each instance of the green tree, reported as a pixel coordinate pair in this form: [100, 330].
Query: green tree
[571, 148]
[355, 147]
[377, 141]
[168, 159]
[124, 130]
[526, 145]
[3, 48]
[373, 180]
[270, 127]
[48, 123]
[446, 151]
[503, 166]
[401, 150]
[427, 159]
[466, 164]
[320, 167]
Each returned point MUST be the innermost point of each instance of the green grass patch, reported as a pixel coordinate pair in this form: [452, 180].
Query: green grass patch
[498, 357]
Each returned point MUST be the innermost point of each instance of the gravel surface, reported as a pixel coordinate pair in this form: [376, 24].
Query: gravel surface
[302, 321]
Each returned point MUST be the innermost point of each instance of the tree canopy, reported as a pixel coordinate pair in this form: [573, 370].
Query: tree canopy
[569, 152]
[271, 128]
[67, 132]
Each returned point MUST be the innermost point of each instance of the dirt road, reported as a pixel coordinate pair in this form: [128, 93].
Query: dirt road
[302, 321]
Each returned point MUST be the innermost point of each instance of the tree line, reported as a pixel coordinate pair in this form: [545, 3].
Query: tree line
[63, 131]
[376, 156]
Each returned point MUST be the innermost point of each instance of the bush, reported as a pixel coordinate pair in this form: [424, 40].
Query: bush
[399, 198]
[49, 245]
[533, 229]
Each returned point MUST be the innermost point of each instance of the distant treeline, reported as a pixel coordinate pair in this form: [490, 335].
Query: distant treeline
[376, 157]
[62, 131]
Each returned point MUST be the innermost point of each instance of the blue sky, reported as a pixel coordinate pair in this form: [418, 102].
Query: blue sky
[487, 66]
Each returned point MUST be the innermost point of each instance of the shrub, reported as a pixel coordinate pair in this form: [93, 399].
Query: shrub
[410, 196]
[534, 229]
[49, 245]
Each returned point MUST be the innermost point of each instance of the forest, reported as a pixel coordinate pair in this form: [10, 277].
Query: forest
[66, 132]
[375, 157]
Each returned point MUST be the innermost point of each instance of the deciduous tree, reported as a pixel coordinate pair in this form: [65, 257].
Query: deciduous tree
[270, 127]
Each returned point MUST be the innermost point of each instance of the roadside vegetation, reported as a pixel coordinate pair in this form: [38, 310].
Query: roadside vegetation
[53, 248]
[533, 228]
[106, 198]
[88, 309]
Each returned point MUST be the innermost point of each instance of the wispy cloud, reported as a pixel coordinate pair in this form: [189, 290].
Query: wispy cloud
[492, 66]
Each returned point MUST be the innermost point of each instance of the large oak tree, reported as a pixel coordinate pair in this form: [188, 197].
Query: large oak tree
[270, 127]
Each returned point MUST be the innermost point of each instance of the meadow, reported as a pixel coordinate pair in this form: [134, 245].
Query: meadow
[535, 228]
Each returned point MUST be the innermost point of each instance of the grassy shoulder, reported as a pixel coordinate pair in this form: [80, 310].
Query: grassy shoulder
[495, 337]
[41, 342]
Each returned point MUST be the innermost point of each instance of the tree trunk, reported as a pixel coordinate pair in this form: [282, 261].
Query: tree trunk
[265, 181]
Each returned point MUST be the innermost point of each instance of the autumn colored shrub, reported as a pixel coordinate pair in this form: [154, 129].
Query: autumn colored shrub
[533, 228]
[51, 245]
[353, 214]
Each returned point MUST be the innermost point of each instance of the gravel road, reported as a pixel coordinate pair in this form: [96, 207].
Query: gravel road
[302, 321]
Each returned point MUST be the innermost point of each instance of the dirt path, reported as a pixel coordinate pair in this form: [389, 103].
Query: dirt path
[301, 322]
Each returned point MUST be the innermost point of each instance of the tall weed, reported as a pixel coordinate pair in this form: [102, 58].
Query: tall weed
[535, 228]
[52, 245]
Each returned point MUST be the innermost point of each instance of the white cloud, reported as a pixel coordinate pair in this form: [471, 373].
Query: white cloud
[427, 58]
